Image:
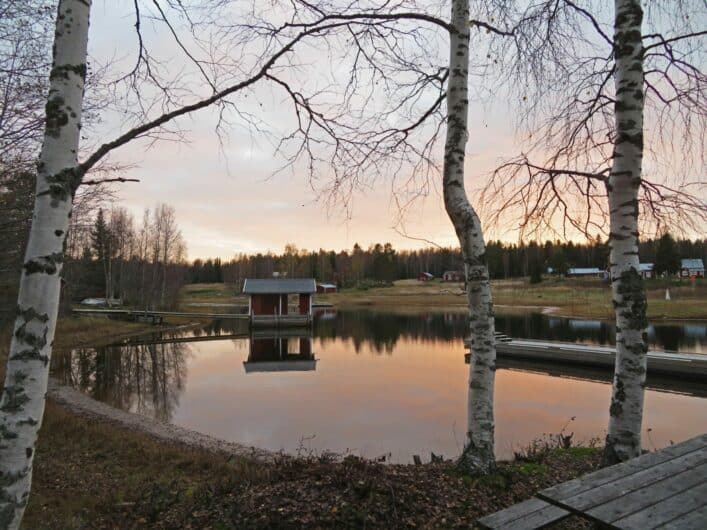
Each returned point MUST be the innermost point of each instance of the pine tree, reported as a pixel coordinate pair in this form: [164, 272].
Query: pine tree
[666, 256]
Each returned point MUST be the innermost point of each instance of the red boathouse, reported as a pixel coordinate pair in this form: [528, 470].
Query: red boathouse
[280, 301]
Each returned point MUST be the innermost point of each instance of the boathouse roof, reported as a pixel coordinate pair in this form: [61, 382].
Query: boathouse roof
[280, 286]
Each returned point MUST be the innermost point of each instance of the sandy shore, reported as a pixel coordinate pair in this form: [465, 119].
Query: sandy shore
[85, 406]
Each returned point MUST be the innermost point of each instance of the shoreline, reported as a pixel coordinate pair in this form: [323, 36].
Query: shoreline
[85, 406]
[506, 309]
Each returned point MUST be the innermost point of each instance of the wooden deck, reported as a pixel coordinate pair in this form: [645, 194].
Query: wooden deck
[527, 515]
[665, 489]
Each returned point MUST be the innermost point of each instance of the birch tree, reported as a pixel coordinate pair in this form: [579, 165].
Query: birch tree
[595, 139]
[22, 403]
[623, 440]
[478, 452]
[393, 48]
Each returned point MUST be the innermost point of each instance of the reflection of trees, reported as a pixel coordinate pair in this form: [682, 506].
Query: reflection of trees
[144, 378]
[222, 327]
[381, 331]
[671, 337]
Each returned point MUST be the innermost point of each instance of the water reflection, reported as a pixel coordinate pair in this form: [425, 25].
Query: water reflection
[382, 331]
[275, 352]
[143, 378]
[369, 382]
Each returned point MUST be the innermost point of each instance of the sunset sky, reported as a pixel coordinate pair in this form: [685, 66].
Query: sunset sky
[225, 194]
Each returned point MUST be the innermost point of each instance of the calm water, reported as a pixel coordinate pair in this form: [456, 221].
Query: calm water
[374, 384]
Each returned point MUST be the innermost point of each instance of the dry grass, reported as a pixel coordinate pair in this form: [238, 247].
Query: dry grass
[570, 297]
[209, 293]
[92, 474]
[89, 474]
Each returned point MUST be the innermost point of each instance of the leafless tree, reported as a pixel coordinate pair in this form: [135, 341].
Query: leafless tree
[588, 83]
[559, 68]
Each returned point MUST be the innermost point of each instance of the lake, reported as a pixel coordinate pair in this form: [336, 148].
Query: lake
[375, 384]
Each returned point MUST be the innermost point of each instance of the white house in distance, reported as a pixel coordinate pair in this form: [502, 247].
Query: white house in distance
[646, 270]
[593, 272]
[692, 268]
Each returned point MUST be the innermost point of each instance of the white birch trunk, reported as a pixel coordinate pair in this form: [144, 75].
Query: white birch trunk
[478, 455]
[23, 397]
[623, 439]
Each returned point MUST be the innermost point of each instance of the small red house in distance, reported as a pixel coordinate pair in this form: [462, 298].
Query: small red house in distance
[453, 276]
[324, 288]
[425, 277]
[268, 300]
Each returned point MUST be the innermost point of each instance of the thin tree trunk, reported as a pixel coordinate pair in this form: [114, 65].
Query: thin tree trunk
[23, 398]
[478, 453]
[623, 440]
[108, 271]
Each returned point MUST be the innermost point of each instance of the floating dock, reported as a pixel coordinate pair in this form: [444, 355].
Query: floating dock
[141, 316]
[688, 365]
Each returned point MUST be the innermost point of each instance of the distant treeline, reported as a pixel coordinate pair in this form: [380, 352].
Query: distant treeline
[108, 254]
[383, 263]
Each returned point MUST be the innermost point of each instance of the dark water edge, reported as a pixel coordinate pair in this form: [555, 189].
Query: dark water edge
[383, 329]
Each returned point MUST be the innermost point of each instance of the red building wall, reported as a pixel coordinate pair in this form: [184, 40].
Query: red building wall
[304, 304]
[265, 304]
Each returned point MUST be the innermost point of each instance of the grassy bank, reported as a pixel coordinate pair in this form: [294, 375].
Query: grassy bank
[587, 298]
[568, 297]
[90, 474]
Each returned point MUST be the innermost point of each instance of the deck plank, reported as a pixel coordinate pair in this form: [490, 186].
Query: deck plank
[604, 476]
[666, 510]
[645, 498]
[634, 481]
[538, 512]
[540, 519]
[694, 520]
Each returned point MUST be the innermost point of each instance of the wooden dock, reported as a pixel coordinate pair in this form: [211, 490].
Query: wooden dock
[140, 315]
[689, 365]
[602, 374]
[276, 321]
[142, 341]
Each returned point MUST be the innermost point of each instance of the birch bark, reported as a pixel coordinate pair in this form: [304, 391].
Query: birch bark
[478, 452]
[23, 397]
[623, 439]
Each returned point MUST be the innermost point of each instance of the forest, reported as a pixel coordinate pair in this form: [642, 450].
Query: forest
[383, 263]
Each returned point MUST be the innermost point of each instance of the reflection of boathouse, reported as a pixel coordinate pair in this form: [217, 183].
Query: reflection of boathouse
[269, 301]
[280, 353]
